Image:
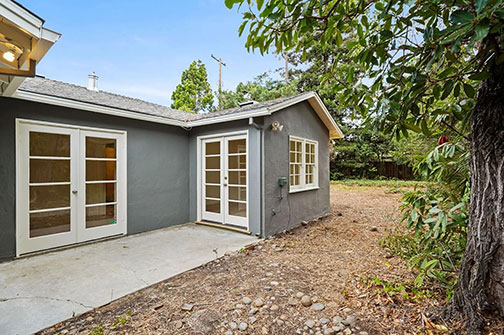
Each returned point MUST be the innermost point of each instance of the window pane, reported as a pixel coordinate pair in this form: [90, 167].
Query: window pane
[213, 148]
[238, 193]
[238, 177]
[100, 170]
[100, 193]
[213, 177]
[237, 146]
[213, 206]
[292, 157]
[100, 216]
[100, 147]
[44, 197]
[213, 162]
[49, 223]
[47, 170]
[237, 209]
[299, 146]
[46, 144]
[212, 191]
[292, 146]
[238, 162]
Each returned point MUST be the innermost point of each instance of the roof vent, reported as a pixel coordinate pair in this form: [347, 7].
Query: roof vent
[93, 82]
[246, 103]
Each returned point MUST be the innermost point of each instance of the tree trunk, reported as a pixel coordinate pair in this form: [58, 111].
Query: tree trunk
[480, 289]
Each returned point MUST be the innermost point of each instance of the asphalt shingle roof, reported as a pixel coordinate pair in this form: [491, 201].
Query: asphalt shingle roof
[79, 93]
[82, 94]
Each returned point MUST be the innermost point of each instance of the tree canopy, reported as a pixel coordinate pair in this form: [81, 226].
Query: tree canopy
[424, 65]
[194, 93]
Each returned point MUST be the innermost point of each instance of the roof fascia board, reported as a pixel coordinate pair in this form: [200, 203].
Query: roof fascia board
[42, 98]
[326, 118]
[21, 17]
[336, 131]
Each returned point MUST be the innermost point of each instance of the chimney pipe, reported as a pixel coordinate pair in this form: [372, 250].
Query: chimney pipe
[93, 82]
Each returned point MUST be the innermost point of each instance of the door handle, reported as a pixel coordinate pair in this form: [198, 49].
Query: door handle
[225, 184]
[74, 191]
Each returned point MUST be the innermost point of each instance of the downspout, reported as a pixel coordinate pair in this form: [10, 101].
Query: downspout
[261, 158]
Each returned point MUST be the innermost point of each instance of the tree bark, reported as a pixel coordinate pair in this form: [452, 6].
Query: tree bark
[480, 289]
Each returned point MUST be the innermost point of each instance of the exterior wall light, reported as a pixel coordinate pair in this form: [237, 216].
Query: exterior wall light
[276, 126]
[9, 56]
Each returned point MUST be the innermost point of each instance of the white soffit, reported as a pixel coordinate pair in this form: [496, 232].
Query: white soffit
[22, 31]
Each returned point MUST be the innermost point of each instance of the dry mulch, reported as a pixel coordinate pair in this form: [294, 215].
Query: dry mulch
[335, 260]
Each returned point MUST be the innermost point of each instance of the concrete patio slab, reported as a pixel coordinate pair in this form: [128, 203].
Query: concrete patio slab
[39, 291]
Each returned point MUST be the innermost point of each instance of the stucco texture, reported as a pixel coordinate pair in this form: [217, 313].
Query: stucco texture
[157, 163]
[299, 120]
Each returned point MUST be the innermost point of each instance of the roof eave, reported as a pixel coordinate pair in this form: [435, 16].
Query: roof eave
[64, 102]
[30, 25]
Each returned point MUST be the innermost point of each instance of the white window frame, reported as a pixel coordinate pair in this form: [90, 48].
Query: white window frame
[303, 186]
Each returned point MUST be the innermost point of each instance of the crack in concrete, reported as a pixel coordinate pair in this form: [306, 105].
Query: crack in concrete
[47, 298]
[138, 278]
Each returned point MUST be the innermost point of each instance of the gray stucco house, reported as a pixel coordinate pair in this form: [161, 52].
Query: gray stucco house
[78, 164]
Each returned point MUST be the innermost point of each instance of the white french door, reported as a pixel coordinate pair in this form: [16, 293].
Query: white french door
[70, 185]
[224, 187]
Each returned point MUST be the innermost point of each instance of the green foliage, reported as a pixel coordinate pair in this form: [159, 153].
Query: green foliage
[193, 94]
[354, 155]
[313, 66]
[413, 55]
[397, 287]
[381, 183]
[262, 88]
[437, 217]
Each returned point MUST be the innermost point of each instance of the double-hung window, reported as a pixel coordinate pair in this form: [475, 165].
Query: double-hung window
[303, 164]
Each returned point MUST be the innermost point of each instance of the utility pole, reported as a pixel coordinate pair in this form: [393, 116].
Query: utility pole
[219, 60]
[286, 56]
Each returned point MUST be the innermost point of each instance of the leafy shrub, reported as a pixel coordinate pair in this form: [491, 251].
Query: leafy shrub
[436, 217]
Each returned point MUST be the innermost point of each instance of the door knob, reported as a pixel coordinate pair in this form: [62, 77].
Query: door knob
[225, 184]
[74, 191]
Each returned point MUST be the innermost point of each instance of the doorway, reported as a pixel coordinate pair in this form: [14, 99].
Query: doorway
[224, 179]
[71, 185]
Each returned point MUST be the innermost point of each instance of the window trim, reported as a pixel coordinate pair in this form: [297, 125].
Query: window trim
[302, 185]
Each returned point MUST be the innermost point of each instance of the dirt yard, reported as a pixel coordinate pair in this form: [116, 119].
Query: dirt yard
[335, 266]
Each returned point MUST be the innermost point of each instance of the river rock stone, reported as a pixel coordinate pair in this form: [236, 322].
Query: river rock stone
[317, 306]
[306, 301]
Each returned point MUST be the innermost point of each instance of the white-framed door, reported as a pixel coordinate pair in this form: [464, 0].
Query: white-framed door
[224, 179]
[55, 164]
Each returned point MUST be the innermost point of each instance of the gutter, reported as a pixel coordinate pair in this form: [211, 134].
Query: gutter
[262, 215]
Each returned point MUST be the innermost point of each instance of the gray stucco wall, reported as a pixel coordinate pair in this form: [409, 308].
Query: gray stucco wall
[302, 121]
[254, 138]
[158, 182]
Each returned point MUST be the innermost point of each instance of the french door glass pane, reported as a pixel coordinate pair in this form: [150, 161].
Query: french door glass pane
[212, 191]
[48, 223]
[100, 147]
[238, 162]
[100, 193]
[238, 193]
[44, 197]
[238, 209]
[213, 148]
[213, 177]
[47, 144]
[237, 146]
[212, 206]
[213, 162]
[47, 170]
[100, 170]
[98, 216]
[238, 177]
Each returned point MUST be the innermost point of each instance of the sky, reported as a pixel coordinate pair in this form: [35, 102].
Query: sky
[140, 48]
